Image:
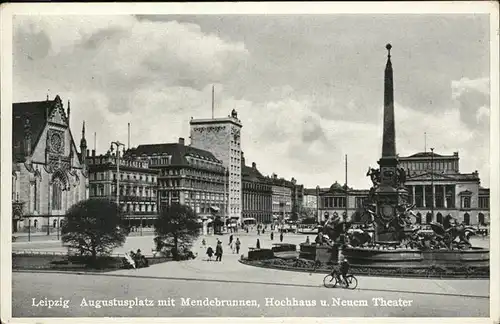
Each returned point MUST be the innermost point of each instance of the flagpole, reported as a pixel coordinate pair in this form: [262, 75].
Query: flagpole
[213, 95]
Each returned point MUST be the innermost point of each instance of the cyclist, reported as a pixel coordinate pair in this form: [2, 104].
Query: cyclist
[341, 271]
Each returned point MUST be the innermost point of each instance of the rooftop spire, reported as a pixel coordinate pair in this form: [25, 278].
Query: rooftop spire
[389, 135]
[83, 141]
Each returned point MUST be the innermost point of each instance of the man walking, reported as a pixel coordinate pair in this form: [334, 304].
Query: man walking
[238, 243]
[218, 251]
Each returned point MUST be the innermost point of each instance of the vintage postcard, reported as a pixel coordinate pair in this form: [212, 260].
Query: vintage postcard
[260, 162]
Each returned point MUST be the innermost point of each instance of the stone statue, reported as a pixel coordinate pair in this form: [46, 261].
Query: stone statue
[401, 176]
[374, 175]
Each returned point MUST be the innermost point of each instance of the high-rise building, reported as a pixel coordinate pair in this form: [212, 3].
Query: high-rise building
[221, 136]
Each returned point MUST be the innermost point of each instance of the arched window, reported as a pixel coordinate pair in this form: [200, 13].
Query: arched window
[35, 223]
[428, 218]
[439, 218]
[466, 219]
[61, 223]
[54, 223]
[480, 218]
[56, 195]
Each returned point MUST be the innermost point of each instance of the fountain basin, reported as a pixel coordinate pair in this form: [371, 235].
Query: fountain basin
[412, 258]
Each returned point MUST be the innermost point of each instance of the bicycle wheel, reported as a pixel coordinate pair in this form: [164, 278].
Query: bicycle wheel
[329, 281]
[353, 282]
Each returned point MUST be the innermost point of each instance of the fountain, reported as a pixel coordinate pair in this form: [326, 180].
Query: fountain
[389, 243]
[396, 242]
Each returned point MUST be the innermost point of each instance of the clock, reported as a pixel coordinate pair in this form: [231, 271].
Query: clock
[56, 142]
[236, 134]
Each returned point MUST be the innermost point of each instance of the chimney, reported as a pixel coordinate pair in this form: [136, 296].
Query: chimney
[88, 151]
[93, 152]
[181, 140]
[254, 165]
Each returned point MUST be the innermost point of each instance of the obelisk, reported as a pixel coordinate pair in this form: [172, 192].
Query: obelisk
[389, 194]
[389, 135]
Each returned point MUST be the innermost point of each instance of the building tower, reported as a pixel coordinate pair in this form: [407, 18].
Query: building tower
[83, 146]
[221, 137]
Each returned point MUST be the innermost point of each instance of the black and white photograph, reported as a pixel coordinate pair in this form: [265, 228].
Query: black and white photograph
[241, 161]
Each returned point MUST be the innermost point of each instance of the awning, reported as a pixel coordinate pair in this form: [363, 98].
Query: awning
[215, 208]
[249, 219]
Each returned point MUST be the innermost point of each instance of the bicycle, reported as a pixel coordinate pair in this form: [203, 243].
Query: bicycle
[331, 281]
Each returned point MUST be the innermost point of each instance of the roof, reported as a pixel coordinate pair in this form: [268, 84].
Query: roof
[37, 112]
[252, 174]
[424, 154]
[178, 151]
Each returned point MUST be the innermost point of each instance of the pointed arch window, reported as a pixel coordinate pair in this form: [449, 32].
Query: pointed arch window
[56, 195]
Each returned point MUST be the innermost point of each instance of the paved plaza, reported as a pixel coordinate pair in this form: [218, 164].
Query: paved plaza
[268, 292]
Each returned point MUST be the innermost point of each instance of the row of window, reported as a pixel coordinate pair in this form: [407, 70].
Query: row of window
[138, 208]
[123, 176]
[428, 165]
[205, 164]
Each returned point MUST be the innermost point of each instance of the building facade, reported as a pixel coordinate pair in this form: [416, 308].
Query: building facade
[337, 201]
[138, 186]
[435, 183]
[187, 175]
[221, 137]
[310, 202]
[281, 197]
[257, 194]
[49, 175]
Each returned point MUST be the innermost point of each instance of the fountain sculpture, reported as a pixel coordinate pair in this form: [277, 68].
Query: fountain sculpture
[396, 240]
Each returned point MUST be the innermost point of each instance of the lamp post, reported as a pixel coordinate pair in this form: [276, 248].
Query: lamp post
[317, 205]
[432, 182]
[118, 144]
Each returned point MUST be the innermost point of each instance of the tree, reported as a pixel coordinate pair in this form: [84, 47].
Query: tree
[176, 226]
[93, 227]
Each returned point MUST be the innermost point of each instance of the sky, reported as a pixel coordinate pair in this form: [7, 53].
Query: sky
[307, 88]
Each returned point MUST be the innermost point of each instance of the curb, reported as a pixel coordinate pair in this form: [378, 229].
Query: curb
[387, 275]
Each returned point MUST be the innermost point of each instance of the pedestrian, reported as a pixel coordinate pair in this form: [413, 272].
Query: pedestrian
[203, 242]
[230, 239]
[258, 231]
[258, 244]
[238, 243]
[210, 252]
[272, 236]
[307, 240]
[218, 252]
[263, 231]
[281, 237]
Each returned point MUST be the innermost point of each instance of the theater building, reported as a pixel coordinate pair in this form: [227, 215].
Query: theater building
[138, 186]
[434, 182]
[257, 194]
[49, 175]
[186, 175]
[435, 185]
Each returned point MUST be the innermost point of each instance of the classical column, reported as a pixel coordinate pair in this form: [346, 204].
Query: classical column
[414, 197]
[433, 196]
[445, 203]
[423, 195]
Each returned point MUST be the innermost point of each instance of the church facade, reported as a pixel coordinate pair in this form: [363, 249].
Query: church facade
[49, 175]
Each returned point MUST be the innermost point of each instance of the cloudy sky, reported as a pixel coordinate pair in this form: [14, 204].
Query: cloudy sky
[308, 89]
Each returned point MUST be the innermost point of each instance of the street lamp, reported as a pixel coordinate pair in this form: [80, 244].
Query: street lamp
[118, 144]
[432, 182]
